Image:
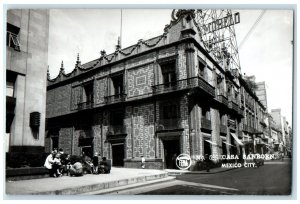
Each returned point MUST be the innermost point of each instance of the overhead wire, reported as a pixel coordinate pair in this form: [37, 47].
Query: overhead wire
[252, 28]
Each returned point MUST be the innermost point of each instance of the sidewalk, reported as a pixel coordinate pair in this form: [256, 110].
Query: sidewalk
[78, 185]
[119, 177]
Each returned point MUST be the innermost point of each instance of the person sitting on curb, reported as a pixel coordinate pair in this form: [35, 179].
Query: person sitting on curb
[49, 163]
[57, 165]
[104, 166]
[65, 163]
[76, 169]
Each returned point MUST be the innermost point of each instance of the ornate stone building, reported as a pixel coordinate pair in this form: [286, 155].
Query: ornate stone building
[157, 98]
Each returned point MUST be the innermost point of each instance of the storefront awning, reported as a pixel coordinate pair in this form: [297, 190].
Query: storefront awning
[223, 138]
[237, 139]
[228, 144]
[211, 142]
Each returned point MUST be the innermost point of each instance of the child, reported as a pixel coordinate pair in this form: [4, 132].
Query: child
[57, 164]
[95, 163]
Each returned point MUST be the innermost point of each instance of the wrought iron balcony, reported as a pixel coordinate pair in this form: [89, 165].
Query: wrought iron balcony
[223, 129]
[169, 124]
[175, 86]
[115, 98]
[231, 123]
[248, 128]
[205, 86]
[85, 105]
[223, 99]
[205, 124]
[184, 84]
[240, 111]
[233, 105]
[116, 130]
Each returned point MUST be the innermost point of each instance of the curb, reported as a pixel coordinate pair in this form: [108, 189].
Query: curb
[130, 187]
[199, 172]
[101, 186]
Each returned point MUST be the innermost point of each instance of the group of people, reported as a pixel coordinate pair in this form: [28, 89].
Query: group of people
[59, 163]
[99, 167]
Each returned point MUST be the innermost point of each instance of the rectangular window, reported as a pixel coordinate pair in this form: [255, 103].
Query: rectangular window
[201, 69]
[206, 113]
[12, 37]
[88, 90]
[118, 88]
[169, 73]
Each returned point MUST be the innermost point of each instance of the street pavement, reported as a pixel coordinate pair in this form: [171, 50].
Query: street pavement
[274, 178]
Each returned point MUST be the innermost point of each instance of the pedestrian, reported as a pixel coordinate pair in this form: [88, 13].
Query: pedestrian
[95, 163]
[207, 162]
[104, 166]
[49, 163]
[143, 162]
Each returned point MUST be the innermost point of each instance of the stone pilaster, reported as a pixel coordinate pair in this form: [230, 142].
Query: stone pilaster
[215, 133]
[184, 115]
[190, 60]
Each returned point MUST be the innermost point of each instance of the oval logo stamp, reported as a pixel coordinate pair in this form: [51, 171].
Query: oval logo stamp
[183, 161]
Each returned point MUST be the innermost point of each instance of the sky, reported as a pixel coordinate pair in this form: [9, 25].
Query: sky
[267, 52]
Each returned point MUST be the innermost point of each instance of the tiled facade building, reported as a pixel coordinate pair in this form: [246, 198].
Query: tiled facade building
[157, 98]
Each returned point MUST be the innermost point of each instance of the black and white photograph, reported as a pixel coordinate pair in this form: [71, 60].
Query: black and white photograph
[190, 101]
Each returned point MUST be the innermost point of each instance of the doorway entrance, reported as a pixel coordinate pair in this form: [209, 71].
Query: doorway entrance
[171, 151]
[88, 151]
[117, 154]
[207, 148]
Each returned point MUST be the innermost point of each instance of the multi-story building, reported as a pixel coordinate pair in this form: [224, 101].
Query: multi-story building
[282, 125]
[26, 68]
[254, 126]
[261, 93]
[158, 98]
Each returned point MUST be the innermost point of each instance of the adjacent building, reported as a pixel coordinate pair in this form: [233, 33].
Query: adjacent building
[261, 93]
[158, 98]
[26, 68]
